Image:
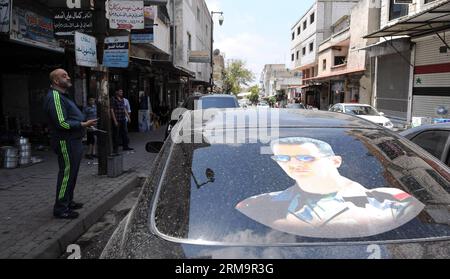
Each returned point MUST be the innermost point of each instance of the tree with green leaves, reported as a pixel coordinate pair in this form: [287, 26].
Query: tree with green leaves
[254, 97]
[236, 75]
[272, 100]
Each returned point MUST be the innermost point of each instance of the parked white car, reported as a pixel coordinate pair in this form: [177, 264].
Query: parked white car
[364, 111]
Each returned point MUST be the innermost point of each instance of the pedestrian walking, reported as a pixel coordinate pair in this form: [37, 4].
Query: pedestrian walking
[90, 113]
[119, 117]
[67, 125]
[128, 118]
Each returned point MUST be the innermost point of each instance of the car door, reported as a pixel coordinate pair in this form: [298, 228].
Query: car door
[436, 142]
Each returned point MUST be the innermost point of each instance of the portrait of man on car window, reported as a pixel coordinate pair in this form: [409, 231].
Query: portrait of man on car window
[322, 203]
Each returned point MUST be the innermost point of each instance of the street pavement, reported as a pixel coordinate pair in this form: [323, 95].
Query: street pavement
[27, 226]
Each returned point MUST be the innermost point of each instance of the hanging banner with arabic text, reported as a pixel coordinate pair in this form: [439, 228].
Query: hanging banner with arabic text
[126, 14]
[33, 29]
[5, 7]
[145, 36]
[66, 22]
[117, 52]
[85, 50]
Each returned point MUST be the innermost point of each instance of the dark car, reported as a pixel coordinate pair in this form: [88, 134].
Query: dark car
[433, 138]
[196, 102]
[286, 184]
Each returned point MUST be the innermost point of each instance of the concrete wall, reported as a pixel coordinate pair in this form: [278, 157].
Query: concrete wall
[162, 35]
[187, 22]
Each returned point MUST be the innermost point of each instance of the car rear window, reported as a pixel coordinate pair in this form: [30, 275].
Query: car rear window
[376, 189]
[217, 102]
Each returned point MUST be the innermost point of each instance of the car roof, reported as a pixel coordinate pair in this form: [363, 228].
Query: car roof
[416, 130]
[354, 104]
[282, 118]
[218, 96]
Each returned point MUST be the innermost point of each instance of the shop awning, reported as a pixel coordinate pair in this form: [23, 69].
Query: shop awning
[336, 74]
[434, 19]
[167, 65]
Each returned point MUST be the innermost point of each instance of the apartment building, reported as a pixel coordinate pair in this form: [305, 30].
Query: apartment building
[272, 77]
[308, 33]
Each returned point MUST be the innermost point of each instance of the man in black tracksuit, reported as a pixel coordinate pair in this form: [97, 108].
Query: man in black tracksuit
[67, 130]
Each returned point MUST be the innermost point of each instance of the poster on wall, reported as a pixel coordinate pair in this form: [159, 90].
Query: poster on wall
[126, 14]
[5, 7]
[117, 52]
[85, 50]
[33, 29]
[66, 22]
[146, 35]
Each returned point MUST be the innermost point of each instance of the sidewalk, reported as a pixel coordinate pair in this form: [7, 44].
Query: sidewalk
[27, 226]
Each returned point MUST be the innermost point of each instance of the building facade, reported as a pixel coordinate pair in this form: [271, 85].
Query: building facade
[271, 76]
[193, 40]
[414, 44]
[307, 34]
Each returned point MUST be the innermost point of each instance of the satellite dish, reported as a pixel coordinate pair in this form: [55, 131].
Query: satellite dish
[441, 110]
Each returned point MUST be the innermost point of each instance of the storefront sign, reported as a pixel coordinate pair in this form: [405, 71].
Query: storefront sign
[30, 28]
[69, 21]
[85, 50]
[117, 52]
[126, 14]
[199, 57]
[71, 4]
[4, 16]
[145, 36]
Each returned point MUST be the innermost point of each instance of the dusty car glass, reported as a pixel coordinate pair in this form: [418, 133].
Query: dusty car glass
[205, 184]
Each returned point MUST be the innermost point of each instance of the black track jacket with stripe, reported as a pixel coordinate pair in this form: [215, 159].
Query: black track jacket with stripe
[64, 117]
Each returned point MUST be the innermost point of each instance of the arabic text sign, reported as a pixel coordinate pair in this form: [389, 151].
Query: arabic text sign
[66, 22]
[32, 29]
[145, 36]
[85, 50]
[4, 16]
[126, 14]
[116, 54]
[200, 57]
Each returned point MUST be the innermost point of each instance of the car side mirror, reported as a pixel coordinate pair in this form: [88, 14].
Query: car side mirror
[381, 113]
[210, 175]
[154, 147]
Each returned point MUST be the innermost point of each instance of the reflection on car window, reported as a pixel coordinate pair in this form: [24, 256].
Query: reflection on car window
[322, 203]
[433, 142]
[361, 110]
[384, 175]
[217, 102]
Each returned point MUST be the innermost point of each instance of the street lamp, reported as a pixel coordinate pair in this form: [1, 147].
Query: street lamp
[221, 20]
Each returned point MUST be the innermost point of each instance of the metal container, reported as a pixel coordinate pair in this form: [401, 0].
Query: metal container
[22, 141]
[24, 161]
[25, 147]
[9, 157]
[25, 154]
[115, 165]
[11, 162]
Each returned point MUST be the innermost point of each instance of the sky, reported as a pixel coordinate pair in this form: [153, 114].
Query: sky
[257, 31]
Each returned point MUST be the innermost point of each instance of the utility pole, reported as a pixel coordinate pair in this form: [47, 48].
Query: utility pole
[104, 140]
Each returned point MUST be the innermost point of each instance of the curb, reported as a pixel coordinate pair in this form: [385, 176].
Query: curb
[54, 248]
